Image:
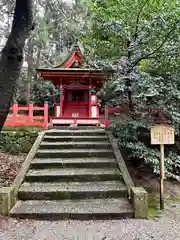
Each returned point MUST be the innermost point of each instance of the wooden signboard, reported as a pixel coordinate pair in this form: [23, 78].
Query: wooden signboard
[162, 135]
[75, 115]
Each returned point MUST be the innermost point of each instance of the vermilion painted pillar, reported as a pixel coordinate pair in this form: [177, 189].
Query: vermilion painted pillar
[31, 112]
[94, 107]
[61, 100]
[46, 116]
[89, 101]
[14, 111]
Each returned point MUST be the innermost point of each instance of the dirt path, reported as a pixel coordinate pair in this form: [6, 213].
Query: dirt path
[165, 227]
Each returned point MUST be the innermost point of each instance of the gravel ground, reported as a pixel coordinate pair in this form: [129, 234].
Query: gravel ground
[165, 227]
[10, 166]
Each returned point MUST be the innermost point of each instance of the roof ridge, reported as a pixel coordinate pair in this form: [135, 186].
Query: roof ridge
[74, 47]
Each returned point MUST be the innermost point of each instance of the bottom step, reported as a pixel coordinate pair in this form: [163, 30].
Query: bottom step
[73, 209]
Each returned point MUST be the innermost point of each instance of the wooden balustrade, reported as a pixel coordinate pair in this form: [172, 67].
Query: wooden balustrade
[15, 119]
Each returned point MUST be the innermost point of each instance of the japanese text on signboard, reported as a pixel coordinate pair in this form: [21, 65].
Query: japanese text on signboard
[162, 135]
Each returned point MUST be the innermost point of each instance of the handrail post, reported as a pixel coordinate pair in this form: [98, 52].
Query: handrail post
[46, 108]
[15, 112]
[31, 112]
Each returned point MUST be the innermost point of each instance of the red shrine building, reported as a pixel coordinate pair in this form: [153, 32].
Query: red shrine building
[78, 102]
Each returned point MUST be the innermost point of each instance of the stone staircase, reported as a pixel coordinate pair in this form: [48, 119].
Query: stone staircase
[74, 175]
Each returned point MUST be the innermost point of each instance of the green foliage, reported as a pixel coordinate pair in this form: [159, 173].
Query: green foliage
[110, 95]
[42, 33]
[45, 92]
[140, 41]
[22, 129]
[42, 91]
[135, 137]
[21, 91]
[137, 27]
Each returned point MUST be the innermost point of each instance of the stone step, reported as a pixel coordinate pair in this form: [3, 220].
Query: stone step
[88, 132]
[71, 190]
[73, 174]
[73, 162]
[74, 138]
[79, 127]
[76, 145]
[74, 153]
[73, 209]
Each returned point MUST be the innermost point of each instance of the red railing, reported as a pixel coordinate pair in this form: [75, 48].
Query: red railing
[15, 119]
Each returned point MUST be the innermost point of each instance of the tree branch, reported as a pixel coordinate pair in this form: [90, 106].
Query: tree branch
[159, 47]
[138, 18]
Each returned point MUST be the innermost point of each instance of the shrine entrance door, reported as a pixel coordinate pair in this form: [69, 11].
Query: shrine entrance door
[76, 103]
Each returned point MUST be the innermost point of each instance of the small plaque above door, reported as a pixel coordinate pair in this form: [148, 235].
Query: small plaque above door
[75, 115]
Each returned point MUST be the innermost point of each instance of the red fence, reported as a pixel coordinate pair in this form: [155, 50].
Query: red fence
[15, 119]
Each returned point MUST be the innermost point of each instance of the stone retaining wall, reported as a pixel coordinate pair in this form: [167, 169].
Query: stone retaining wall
[16, 142]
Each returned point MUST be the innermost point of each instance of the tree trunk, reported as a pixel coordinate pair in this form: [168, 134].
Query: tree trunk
[129, 84]
[131, 105]
[38, 59]
[30, 68]
[12, 55]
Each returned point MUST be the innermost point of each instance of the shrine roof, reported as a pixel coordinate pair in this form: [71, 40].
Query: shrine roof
[69, 70]
[73, 67]
[74, 54]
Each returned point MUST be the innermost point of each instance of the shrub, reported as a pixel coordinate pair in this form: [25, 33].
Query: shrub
[44, 92]
[134, 136]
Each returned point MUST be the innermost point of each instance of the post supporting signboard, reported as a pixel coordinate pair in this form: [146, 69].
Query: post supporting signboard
[162, 177]
[162, 135]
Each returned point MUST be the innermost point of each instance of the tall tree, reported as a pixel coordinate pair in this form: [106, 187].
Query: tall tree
[128, 32]
[140, 40]
[12, 54]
